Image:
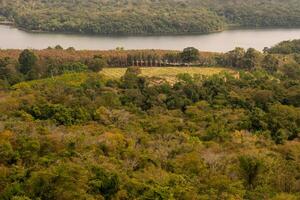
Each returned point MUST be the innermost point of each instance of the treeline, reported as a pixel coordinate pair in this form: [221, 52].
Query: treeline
[285, 47]
[83, 136]
[111, 17]
[28, 66]
[16, 65]
[147, 16]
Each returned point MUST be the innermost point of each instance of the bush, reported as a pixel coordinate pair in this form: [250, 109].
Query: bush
[103, 182]
[7, 154]
[97, 64]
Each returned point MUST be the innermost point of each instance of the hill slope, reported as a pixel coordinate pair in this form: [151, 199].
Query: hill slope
[148, 16]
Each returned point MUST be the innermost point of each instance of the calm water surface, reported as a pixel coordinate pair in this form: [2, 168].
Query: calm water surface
[12, 38]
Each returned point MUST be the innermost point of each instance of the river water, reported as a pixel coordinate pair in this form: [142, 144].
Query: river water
[13, 38]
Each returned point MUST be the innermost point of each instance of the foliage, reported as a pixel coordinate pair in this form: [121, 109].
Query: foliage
[27, 60]
[270, 63]
[189, 55]
[227, 135]
[286, 47]
[97, 63]
[250, 167]
[147, 16]
[65, 68]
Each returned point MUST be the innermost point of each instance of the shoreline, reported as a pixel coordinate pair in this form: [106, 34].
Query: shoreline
[226, 28]
[113, 34]
[13, 38]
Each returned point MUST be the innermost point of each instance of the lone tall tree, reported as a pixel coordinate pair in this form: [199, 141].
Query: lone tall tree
[189, 55]
[27, 60]
[252, 59]
[97, 63]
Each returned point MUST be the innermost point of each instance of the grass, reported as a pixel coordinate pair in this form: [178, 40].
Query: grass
[168, 73]
[70, 79]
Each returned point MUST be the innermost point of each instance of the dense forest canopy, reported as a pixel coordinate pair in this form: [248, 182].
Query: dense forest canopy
[69, 132]
[148, 16]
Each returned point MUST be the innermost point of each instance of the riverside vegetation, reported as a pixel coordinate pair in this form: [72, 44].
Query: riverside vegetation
[148, 16]
[68, 131]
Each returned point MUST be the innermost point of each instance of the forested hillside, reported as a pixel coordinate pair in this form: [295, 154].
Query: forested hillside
[69, 132]
[148, 16]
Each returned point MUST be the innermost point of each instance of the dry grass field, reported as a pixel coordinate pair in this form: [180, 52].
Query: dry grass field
[168, 73]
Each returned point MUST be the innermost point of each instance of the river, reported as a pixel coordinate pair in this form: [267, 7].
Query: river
[13, 38]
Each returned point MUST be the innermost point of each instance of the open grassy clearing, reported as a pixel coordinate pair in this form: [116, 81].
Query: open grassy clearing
[168, 73]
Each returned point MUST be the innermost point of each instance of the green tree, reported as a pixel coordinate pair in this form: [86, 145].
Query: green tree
[58, 47]
[235, 57]
[292, 71]
[27, 60]
[131, 78]
[133, 71]
[252, 59]
[216, 131]
[104, 183]
[7, 153]
[262, 98]
[9, 72]
[270, 63]
[250, 167]
[97, 63]
[284, 122]
[189, 55]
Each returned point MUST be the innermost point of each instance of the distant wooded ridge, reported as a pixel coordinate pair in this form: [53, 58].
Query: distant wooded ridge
[148, 16]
